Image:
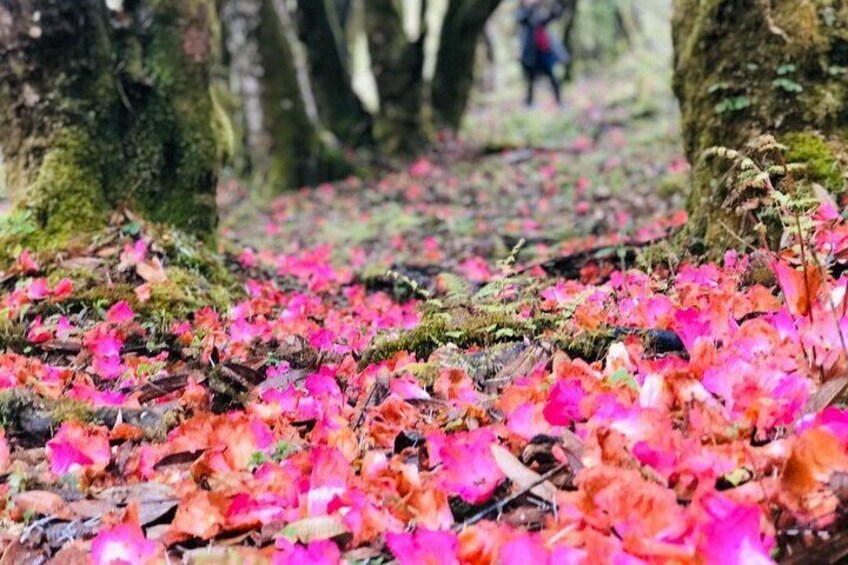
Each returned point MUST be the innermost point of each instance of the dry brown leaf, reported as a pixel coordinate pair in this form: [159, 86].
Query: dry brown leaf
[88, 263]
[816, 455]
[91, 508]
[17, 552]
[521, 476]
[826, 395]
[41, 502]
[314, 528]
[201, 515]
[151, 271]
[824, 196]
[73, 553]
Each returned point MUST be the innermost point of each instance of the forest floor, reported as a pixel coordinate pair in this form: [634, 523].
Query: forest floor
[489, 355]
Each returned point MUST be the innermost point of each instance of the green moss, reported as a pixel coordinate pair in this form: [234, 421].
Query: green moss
[124, 117]
[729, 97]
[812, 150]
[460, 327]
[67, 193]
[196, 278]
[16, 403]
[26, 413]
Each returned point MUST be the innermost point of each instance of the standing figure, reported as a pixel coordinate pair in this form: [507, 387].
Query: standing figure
[540, 50]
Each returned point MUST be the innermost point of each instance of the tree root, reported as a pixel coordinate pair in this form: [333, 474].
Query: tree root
[33, 419]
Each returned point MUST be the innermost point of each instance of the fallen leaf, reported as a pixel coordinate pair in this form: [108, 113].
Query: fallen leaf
[314, 528]
[151, 270]
[201, 515]
[521, 476]
[816, 455]
[826, 395]
[41, 502]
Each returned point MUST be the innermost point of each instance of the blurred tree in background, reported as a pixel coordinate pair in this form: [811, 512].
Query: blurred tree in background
[138, 102]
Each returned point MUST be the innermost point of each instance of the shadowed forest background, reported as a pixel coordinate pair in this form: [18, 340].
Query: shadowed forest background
[313, 281]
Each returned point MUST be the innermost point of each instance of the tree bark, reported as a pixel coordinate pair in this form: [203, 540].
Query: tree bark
[105, 106]
[284, 148]
[338, 106]
[398, 66]
[602, 30]
[743, 69]
[569, 17]
[463, 26]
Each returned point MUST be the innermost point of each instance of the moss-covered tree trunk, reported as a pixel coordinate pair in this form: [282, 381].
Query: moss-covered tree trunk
[397, 64]
[747, 68]
[569, 17]
[284, 147]
[322, 34]
[104, 105]
[462, 28]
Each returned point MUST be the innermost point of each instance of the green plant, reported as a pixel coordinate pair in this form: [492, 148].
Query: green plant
[733, 104]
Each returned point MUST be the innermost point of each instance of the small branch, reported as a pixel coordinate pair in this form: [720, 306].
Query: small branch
[499, 505]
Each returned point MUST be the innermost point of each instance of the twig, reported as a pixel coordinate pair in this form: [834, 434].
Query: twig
[498, 505]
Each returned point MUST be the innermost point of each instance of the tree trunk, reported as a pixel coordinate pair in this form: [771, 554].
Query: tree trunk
[601, 31]
[105, 106]
[569, 17]
[743, 69]
[284, 147]
[338, 106]
[461, 31]
[398, 66]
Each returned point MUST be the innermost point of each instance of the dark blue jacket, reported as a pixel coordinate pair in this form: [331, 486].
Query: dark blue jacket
[531, 18]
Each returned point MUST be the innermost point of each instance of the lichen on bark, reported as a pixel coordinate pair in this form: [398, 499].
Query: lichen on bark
[743, 69]
[101, 108]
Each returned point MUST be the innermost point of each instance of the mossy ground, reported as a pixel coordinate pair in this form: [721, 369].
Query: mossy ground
[195, 275]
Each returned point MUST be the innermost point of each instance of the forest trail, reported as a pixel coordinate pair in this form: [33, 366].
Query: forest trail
[607, 166]
[425, 345]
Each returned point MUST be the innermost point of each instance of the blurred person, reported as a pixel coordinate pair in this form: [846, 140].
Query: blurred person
[540, 49]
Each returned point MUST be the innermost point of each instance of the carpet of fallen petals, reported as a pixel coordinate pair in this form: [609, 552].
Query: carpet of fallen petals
[277, 441]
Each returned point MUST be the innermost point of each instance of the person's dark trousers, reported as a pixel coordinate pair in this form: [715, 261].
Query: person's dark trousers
[532, 73]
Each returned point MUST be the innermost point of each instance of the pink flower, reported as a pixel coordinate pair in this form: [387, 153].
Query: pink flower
[421, 168]
[106, 346]
[475, 269]
[529, 548]
[408, 388]
[25, 263]
[424, 547]
[316, 553]
[528, 420]
[64, 328]
[133, 254]
[38, 333]
[558, 293]
[4, 452]
[38, 289]
[123, 544]
[77, 447]
[731, 536]
[62, 289]
[524, 549]
[120, 313]
[468, 467]
[563, 406]
[328, 480]
[108, 367]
